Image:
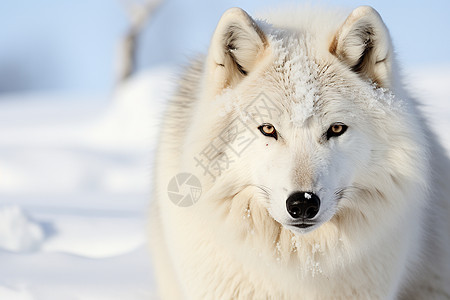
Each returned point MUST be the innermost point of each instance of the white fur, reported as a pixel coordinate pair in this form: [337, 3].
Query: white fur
[382, 229]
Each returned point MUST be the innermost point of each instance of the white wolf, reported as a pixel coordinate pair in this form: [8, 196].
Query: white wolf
[319, 177]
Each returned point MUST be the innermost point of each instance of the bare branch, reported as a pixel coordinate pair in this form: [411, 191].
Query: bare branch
[139, 13]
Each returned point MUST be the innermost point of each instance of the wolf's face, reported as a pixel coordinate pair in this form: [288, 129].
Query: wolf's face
[310, 146]
[305, 97]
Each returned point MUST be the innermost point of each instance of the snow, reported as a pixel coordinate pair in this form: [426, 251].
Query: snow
[17, 294]
[18, 232]
[75, 182]
[75, 186]
[301, 70]
[430, 85]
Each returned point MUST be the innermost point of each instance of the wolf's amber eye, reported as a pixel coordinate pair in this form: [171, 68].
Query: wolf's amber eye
[336, 129]
[268, 130]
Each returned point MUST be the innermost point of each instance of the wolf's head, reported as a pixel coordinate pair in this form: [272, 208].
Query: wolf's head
[306, 114]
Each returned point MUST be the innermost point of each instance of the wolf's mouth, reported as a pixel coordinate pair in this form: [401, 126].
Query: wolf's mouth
[302, 225]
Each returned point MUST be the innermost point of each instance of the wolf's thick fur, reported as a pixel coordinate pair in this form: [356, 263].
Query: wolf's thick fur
[382, 231]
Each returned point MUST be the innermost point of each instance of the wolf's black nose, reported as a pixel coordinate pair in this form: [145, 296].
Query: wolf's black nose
[303, 205]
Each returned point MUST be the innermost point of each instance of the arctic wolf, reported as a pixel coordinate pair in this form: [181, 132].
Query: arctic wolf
[319, 178]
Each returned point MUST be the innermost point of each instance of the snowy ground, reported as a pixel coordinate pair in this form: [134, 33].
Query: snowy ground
[74, 192]
[75, 177]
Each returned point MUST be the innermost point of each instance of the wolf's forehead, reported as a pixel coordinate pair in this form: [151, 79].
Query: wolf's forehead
[299, 74]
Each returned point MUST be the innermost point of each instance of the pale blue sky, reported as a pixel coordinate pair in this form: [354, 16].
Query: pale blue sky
[55, 45]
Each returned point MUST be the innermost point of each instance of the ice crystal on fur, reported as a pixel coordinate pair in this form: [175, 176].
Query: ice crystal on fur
[296, 67]
[247, 213]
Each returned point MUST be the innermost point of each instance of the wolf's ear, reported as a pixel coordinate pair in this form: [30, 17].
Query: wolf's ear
[236, 45]
[363, 43]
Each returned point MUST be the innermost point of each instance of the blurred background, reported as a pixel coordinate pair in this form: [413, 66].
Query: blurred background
[82, 89]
